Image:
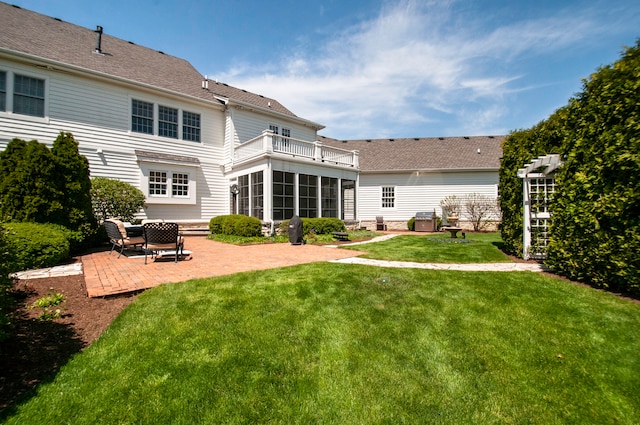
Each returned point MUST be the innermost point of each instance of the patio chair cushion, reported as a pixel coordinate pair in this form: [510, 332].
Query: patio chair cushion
[121, 228]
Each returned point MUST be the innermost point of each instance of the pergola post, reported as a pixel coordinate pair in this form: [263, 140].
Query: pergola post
[538, 185]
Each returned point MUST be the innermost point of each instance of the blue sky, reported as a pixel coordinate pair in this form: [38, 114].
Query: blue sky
[382, 68]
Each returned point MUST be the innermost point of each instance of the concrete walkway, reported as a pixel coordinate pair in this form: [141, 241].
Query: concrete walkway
[471, 267]
[105, 274]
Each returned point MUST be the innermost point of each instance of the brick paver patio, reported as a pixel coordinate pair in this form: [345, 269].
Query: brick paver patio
[106, 274]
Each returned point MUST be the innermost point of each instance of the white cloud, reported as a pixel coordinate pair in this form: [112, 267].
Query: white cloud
[413, 66]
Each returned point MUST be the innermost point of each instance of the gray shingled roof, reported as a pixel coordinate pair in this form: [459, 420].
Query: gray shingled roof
[49, 38]
[426, 153]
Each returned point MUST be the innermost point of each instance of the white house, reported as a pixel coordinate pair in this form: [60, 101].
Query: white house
[400, 177]
[199, 148]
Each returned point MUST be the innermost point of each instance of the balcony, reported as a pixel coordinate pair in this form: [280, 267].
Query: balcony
[271, 145]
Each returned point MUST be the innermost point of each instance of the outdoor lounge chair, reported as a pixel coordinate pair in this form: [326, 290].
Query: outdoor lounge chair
[118, 236]
[162, 236]
[380, 223]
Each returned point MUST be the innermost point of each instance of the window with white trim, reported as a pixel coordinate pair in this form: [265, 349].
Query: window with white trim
[167, 122]
[180, 184]
[3, 91]
[28, 95]
[388, 197]
[141, 116]
[157, 183]
[190, 126]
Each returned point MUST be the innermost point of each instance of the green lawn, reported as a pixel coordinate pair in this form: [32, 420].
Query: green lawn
[475, 248]
[349, 344]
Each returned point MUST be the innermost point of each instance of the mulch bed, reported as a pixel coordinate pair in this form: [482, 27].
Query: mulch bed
[37, 349]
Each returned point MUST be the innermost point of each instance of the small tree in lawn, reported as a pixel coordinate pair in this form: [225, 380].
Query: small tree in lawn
[480, 209]
[115, 198]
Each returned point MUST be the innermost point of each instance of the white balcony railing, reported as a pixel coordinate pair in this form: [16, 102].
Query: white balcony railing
[268, 143]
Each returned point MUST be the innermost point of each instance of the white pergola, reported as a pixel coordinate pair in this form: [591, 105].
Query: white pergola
[539, 184]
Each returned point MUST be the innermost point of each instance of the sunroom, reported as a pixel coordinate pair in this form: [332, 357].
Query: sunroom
[274, 177]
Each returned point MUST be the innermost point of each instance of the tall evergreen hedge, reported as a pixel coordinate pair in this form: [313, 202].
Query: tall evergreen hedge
[595, 232]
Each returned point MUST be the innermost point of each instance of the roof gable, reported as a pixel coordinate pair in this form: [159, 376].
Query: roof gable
[424, 153]
[54, 40]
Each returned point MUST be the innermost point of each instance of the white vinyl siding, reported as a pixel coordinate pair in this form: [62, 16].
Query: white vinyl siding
[248, 125]
[423, 192]
[98, 115]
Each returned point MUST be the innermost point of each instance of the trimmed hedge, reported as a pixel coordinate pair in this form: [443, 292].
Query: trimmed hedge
[36, 245]
[235, 224]
[595, 230]
[318, 226]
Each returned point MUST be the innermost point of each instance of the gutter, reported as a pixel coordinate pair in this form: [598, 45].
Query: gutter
[428, 170]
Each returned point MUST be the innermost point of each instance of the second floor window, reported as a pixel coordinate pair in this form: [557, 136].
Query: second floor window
[190, 126]
[3, 91]
[28, 95]
[141, 117]
[167, 122]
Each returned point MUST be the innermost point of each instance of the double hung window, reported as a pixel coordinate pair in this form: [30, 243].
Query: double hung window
[190, 126]
[143, 120]
[388, 196]
[3, 91]
[28, 95]
[141, 117]
[167, 122]
[22, 94]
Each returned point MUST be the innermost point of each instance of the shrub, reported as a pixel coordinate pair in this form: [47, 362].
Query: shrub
[318, 226]
[43, 185]
[411, 224]
[480, 209]
[235, 224]
[34, 245]
[30, 191]
[115, 198]
[72, 175]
